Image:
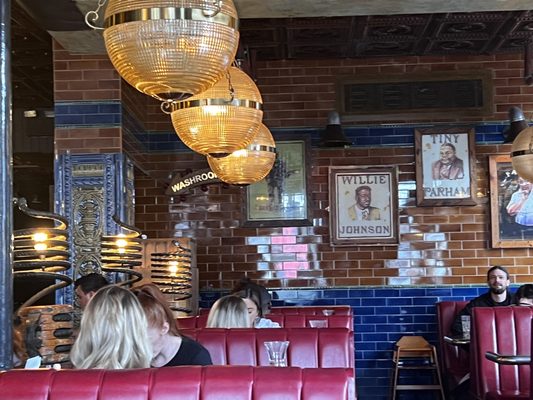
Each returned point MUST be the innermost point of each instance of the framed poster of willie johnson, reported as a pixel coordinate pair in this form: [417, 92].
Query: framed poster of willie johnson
[363, 205]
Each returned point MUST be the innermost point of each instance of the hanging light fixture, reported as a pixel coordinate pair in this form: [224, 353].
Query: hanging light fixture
[249, 165]
[522, 154]
[169, 49]
[223, 119]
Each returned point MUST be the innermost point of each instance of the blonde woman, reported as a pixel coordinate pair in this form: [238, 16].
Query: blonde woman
[169, 347]
[229, 312]
[113, 332]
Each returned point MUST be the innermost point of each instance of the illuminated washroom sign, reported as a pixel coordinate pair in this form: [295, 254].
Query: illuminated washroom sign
[181, 184]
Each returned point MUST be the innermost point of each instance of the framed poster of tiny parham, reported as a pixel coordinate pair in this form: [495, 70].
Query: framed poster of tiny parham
[445, 167]
[363, 205]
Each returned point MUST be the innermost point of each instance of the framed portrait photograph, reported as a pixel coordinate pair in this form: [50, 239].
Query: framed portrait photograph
[363, 205]
[511, 205]
[445, 166]
[282, 198]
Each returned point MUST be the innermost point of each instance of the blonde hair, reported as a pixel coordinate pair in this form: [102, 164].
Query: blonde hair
[113, 332]
[228, 312]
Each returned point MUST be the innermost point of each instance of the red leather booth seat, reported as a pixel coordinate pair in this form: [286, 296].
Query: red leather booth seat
[285, 320]
[308, 348]
[184, 383]
[454, 360]
[507, 331]
[306, 310]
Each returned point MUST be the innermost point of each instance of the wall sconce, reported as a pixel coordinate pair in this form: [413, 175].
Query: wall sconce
[169, 49]
[522, 148]
[221, 120]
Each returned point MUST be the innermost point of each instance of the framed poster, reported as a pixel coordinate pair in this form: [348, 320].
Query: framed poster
[282, 198]
[363, 205]
[445, 167]
[511, 205]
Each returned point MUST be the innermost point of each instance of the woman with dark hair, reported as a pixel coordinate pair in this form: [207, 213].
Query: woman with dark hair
[524, 295]
[169, 347]
[255, 312]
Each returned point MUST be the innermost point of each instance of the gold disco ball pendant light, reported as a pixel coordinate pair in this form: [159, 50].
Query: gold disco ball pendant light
[249, 165]
[522, 154]
[170, 49]
[223, 119]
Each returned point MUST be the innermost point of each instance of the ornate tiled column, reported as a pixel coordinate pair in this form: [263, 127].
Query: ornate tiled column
[93, 176]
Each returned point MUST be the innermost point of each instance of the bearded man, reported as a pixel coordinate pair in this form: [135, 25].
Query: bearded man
[497, 296]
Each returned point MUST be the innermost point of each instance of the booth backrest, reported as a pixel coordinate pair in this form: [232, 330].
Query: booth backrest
[285, 320]
[307, 310]
[185, 383]
[454, 360]
[308, 348]
[503, 330]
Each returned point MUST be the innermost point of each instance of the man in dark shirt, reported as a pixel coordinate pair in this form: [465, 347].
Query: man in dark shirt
[497, 296]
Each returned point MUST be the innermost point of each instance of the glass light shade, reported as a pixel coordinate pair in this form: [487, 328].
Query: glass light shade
[249, 165]
[522, 154]
[171, 49]
[211, 123]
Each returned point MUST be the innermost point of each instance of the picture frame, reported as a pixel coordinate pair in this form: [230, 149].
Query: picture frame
[363, 202]
[510, 200]
[283, 198]
[445, 166]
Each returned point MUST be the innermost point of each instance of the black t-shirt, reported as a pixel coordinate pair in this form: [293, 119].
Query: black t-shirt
[190, 353]
[485, 300]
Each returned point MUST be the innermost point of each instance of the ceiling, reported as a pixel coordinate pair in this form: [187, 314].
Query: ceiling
[287, 29]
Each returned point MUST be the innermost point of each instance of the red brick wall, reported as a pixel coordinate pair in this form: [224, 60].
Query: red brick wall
[301, 94]
[85, 78]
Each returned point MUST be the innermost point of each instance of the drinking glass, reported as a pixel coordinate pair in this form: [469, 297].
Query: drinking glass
[318, 323]
[328, 312]
[465, 325]
[277, 353]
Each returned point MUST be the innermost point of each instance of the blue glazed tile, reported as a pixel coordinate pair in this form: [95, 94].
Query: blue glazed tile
[381, 131]
[335, 293]
[387, 310]
[324, 302]
[368, 141]
[374, 319]
[424, 301]
[399, 140]
[387, 292]
[309, 294]
[373, 302]
[366, 346]
[399, 319]
[361, 293]
[467, 292]
[412, 310]
[438, 292]
[399, 301]
[413, 292]
[364, 311]
[365, 328]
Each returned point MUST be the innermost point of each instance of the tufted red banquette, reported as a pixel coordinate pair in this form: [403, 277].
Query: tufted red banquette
[306, 310]
[285, 320]
[454, 360]
[503, 330]
[308, 348]
[185, 383]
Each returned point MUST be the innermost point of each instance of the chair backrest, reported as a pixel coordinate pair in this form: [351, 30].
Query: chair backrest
[503, 330]
[311, 310]
[308, 348]
[285, 320]
[454, 360]
[187, 383]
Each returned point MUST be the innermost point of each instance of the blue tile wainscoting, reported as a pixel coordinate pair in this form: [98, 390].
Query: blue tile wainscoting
[381, 316]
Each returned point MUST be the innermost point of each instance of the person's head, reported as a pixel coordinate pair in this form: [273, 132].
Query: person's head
[525, 186]
[447, 153]
[113, 332]
[363, 196]
[524, 295]
[161, 320]
[86, 286]
[498, 279]
[251, 298]
[265, 300]
[228, 312]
